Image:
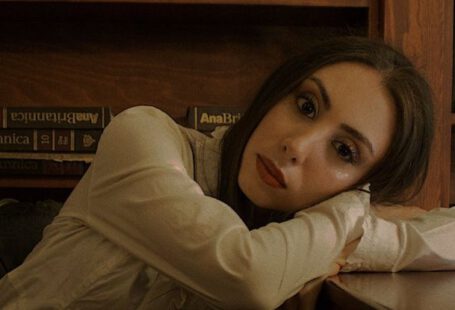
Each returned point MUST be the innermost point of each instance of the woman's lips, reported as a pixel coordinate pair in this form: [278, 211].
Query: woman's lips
[269, 173]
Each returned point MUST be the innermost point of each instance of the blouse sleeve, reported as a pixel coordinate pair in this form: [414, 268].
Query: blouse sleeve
[426, 242]
[143, 198]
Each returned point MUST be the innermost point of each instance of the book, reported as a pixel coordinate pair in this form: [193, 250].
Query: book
[207, 118]
[49, 140]
[37, 167]
[55, 117]
[85, 157]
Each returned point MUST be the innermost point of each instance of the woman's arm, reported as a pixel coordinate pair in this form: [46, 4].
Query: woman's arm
[142, 197]
[409, 259]
[405, 238]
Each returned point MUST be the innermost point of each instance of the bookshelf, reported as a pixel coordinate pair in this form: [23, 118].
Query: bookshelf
[317, 3]
[44, 183]
[177, 53]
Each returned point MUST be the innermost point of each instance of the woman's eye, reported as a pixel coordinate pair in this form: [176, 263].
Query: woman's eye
[346, 153]
[307, 105]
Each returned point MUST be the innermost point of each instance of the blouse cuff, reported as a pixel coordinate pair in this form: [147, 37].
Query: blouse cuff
[378, 248]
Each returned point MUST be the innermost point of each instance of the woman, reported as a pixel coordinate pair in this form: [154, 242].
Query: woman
[147, 227]
[413, 132]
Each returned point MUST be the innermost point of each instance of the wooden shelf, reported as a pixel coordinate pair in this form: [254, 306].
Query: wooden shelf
[177, 53]
[167, 56]
[39, 182]
[314, 3]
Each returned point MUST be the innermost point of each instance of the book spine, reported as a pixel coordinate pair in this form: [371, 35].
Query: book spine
[207, 118]
[49, 140]
[55, 117]
[36, 167]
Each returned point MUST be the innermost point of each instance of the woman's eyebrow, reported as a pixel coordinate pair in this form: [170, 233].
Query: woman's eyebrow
[323, 91]
[358, 136]
[327, 104]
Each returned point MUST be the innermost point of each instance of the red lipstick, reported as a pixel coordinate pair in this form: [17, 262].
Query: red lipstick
[269, 172]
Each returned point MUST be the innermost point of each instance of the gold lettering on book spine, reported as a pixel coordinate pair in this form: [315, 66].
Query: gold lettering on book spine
[211, 119]
[14, 139]
[204, 118]
[224, 118]
[55, 117]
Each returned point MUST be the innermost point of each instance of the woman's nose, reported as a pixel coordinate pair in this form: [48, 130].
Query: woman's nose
[297, 148]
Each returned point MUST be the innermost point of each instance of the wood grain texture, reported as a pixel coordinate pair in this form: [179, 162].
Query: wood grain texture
[415, 290]
[36, 193]
[374, 22]
[171, 68]
[318, 3]
[171, 62]
[423, 29]
[452, 163]
[43, 183]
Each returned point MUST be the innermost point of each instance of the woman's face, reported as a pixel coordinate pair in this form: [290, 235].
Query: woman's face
[319, 140]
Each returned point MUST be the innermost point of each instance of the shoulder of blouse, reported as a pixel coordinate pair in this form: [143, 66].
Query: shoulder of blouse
[146, 132]
[143, 136]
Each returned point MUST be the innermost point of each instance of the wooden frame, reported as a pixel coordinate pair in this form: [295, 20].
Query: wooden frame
[424, 31]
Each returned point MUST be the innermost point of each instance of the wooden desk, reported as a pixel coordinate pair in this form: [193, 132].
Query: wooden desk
[403, 290]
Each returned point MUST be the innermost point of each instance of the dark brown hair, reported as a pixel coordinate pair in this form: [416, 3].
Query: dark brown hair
[401, 173]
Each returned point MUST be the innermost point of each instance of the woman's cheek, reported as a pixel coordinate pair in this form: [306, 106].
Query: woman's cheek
[341, 175]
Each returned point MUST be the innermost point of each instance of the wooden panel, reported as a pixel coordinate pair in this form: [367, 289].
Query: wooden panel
[386, 290]
[123, 64]
[168, 68]
[38, 182]
[238, 15]
[318, 3]
[333, 297]
[423, 29]
[34, 194]
[374, 23]
[452, 167]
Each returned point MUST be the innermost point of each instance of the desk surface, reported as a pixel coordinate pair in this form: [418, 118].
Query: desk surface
[403, 290]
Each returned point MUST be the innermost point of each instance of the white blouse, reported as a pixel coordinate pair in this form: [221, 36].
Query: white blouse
[142, 230]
